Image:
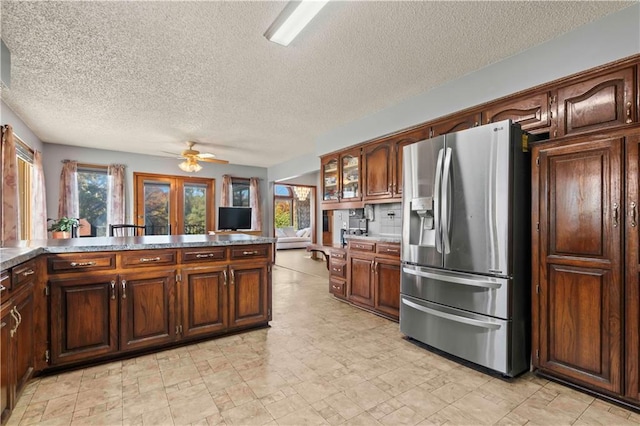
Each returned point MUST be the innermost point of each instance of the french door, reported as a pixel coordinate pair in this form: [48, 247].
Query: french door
[176, 205]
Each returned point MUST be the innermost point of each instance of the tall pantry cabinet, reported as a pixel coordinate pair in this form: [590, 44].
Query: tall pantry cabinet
[586, 261]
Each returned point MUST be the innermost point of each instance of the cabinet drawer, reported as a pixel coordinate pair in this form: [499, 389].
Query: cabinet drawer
[23, 273]
[5, 283]
[362, 246]
[341, 255]
[338, 269]
[77, 263]
[203, 254]
[337, 287]
[144, 258]
[389, 249]
[249, 252]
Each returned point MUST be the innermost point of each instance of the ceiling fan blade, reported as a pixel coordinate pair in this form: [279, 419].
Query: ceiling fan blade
[213, 160]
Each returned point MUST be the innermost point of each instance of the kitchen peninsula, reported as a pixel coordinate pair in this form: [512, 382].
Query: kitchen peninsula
[71, 302]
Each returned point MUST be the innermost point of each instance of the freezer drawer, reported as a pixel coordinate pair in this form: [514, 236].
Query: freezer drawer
[482, 340]
[475, 293]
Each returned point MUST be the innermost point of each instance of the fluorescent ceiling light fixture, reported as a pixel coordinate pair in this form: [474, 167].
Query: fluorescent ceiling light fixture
[293, 18]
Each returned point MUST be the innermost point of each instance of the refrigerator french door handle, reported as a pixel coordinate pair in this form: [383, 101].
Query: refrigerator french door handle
[455, 280]
[436, 204]
[451, 317]
[445, 201]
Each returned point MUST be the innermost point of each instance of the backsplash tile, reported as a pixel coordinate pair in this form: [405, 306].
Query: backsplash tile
[387, 219]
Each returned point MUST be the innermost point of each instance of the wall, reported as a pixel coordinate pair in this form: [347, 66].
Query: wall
[54, 154]
[613, 37]
[20, 129]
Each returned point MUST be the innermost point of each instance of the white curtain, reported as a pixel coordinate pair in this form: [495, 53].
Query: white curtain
[10, 211]
[115, 194]
[225, 195]
[254, 203]
[39, 202]
[68, 205]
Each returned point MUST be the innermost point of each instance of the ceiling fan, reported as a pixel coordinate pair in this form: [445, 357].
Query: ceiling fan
[192, 156]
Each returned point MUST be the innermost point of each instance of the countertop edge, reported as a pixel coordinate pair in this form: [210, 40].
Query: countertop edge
[27, 250]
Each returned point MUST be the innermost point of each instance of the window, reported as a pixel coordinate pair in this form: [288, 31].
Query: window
[92, 197]
[240, 192]
[25, 175]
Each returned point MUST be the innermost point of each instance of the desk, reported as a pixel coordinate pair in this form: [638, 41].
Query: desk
[317, 248]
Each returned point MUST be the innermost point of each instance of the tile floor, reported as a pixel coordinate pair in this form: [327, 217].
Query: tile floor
[321, 362]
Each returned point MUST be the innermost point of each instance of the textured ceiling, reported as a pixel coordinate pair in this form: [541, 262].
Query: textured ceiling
[147, 76]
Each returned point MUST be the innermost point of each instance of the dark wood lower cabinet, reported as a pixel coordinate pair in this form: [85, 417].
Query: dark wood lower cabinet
[7, 373]
[360, 287]
[147, 309]
[84, 317]
[248, 298]
[24, 356]
[204, 300]
[387, 287]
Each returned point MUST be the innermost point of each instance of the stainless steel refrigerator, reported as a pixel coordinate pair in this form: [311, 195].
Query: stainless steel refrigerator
[465, 246]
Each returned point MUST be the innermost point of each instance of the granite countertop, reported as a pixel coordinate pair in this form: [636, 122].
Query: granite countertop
[15, 253]
[380, 238]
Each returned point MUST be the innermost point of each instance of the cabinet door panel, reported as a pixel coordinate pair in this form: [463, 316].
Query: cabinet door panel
[147, 311]
[531, 112]
[604, 101]
[387, 291]
[583, 319]
[455, 125]
[248, 298]
[83, 318]
[398, 149]
[580, 298]
[7, 372]
[377, 171]
[24, 362]
[360, 283]
[204, 301]
[632, 277]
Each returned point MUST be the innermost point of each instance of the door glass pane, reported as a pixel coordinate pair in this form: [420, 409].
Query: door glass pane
[195, 209]
[350, 177]
[330, 172]
[156, 208]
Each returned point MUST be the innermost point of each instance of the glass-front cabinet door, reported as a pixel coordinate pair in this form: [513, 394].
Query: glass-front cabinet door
[330, 181]
[350, 163]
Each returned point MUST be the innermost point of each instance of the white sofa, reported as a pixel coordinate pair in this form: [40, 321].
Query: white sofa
[289, 238]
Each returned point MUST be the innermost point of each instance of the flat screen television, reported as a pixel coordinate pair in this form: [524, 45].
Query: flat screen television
[234, 218]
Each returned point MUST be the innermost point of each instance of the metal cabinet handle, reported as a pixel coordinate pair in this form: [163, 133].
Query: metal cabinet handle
[29, 272]
[615, 215]
[2, 288]
[15, 319]
[2, 325]
[205, 255]
[629, 104]
[149, 259]
[124, 289]
[233, 277]
[246, 253]
[113, 289]
[224, 273]
[375, 267]
[19, 316]
[633, 214]
[81, 264]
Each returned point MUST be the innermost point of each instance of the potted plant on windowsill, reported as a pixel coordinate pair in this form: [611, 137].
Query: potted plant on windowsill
[61, 228]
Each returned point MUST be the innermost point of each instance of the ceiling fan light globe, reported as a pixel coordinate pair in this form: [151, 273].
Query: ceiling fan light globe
[190, 166]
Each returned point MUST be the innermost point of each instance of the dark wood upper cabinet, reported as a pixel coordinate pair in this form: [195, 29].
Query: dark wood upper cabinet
[455, 124]
[531, 112]
[378, 172]
[580, 295]
[600, 102]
